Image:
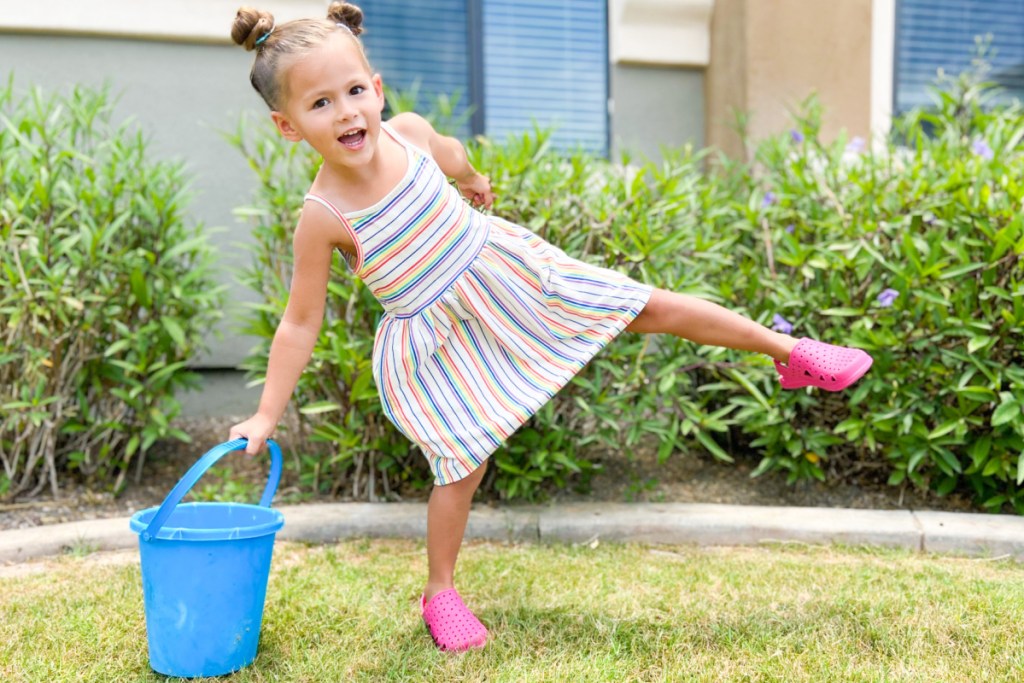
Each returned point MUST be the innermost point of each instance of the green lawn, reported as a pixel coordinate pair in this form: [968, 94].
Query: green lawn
[561, 613]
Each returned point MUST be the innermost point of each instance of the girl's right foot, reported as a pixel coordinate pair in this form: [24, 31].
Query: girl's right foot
[450, 623]
[817, 364]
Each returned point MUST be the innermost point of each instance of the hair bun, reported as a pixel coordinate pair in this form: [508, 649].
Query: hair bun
[251, 25]
[348, 14]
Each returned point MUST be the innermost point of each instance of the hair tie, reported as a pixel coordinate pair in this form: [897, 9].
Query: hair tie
[262, 39]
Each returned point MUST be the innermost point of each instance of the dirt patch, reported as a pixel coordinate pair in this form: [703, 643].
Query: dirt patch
[691, 478]
[688, 478]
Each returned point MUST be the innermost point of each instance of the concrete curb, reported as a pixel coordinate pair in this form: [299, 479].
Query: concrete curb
[670, 523]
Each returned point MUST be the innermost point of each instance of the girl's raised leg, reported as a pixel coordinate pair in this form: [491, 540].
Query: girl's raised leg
[708, 323]
[800, 362]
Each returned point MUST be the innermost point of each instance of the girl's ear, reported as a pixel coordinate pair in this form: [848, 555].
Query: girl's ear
[378, 90]
[285, 127]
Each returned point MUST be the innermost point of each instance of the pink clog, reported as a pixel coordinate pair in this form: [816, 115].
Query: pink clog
[450, 623]
[817, 364]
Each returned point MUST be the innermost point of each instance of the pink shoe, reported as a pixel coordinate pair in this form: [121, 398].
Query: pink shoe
[817, 364]
[452, 626]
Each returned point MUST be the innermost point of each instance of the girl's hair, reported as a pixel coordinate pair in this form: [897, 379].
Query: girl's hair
[255, 30]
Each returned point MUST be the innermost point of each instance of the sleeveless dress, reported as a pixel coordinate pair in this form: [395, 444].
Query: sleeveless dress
[484, 321]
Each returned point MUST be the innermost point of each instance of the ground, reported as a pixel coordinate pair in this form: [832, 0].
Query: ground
[686, 478]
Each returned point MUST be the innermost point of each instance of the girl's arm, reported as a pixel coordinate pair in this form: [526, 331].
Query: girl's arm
[296, 335]
[449, 154]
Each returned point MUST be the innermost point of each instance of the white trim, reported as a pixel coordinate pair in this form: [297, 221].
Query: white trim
[202, 20]
[663, 32]
[883, 47]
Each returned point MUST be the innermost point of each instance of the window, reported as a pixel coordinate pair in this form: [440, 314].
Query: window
[547, 61]
[419, 42]
[514, 62]
[934, 34]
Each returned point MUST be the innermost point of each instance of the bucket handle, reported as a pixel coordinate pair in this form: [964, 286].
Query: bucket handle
[199, 469]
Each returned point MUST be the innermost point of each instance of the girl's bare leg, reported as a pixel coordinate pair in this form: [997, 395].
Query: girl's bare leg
[709, 324]
[447, 514]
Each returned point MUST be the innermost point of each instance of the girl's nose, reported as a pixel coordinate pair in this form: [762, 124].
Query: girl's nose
[345, 111]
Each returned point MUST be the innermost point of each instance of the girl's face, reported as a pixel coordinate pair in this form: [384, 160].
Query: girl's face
[333, 102]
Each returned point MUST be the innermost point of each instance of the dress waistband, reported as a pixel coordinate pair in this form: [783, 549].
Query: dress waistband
[400, 309]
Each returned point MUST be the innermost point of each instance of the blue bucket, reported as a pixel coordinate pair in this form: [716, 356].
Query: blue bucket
[204, 574]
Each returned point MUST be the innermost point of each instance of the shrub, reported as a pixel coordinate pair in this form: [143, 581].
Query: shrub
[104, 292]
[911, 251]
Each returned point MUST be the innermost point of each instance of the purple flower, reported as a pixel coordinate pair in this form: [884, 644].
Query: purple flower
[886, 297]
[790, 228]
[769, 199]
[981, 148]
[780, 324]
[796, 135]
[856, 145]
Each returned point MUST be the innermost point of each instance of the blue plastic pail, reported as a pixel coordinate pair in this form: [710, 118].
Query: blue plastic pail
[204, 574]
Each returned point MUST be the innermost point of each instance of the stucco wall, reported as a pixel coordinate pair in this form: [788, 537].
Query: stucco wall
[181, 95]
[768, 56]
[655, 107]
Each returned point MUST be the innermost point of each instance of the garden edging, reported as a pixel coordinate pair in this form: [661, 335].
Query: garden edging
[972, 534]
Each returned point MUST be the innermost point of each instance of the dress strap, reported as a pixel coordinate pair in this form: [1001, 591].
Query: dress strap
[390, 130]
[344, 223]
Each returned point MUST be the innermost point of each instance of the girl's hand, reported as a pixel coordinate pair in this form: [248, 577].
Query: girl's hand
[257, 429]
[477, 189]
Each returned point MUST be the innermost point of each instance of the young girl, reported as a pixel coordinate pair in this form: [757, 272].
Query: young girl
[484, 321]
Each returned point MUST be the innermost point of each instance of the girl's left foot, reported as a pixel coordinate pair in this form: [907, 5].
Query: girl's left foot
[450, 623]
[817, 364]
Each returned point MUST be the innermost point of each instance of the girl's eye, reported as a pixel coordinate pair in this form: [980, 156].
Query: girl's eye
[357, 90]
[322, 102]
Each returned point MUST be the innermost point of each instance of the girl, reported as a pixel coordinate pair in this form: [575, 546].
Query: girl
[483, 321]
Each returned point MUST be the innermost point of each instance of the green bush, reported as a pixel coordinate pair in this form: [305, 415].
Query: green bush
[911, 251]
[104, 292]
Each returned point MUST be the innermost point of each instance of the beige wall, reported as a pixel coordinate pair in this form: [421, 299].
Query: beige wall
[766, 57]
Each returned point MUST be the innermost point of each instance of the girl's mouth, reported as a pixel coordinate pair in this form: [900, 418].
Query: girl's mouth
[353, 139]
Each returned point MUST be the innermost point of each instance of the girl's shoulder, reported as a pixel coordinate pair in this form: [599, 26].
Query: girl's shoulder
[413, 128]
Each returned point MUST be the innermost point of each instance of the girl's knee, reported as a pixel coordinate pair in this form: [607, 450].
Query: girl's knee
[468, 482]
[652, 315]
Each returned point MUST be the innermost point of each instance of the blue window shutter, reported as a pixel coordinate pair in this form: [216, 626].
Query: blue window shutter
[426, 42]
[547, 61]
[934, 34]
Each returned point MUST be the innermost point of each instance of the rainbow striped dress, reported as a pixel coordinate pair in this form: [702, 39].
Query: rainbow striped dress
[484, 321]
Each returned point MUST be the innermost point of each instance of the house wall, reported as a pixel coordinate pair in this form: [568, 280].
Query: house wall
[659, 50]
[655, 107]
[766, 57]
[156, 84]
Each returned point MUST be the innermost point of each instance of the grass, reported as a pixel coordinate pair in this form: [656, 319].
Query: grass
[561, 613]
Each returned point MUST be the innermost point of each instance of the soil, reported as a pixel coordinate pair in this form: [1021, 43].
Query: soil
[684, 478]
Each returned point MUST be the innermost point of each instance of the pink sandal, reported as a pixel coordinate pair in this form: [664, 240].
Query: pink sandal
[450, 623]
[817, 364]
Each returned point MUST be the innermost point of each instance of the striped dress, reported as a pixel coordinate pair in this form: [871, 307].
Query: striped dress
[484, 321]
